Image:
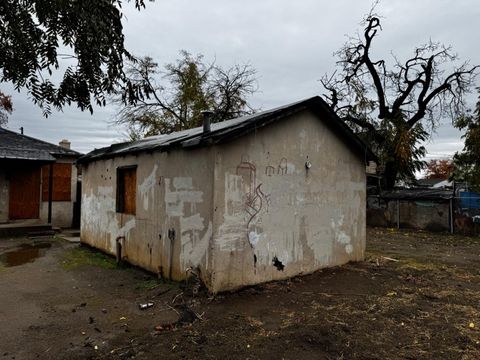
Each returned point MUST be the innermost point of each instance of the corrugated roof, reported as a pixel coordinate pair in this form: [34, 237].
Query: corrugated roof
[230, 129]
[23, 147]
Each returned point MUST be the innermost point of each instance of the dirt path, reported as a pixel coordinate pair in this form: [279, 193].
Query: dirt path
[417, 296]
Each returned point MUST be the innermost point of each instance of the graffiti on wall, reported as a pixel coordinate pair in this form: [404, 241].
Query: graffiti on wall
[255, 200]
[281, 169]
[248, 201]
[269, 170]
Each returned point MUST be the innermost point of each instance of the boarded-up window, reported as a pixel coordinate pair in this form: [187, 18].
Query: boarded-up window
[62, 182]
[126, 189]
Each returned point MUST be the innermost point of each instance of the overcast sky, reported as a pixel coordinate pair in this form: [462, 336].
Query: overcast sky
[290, 43]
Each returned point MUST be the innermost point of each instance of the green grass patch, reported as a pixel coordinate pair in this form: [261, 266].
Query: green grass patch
[422, 266]
[83, 256]
[148, 284]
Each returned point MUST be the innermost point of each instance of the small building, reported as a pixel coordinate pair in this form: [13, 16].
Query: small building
[415, 208]
[249, 200]
[38, 181]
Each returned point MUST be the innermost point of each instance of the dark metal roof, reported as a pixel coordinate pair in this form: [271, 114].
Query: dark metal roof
[231, 129]
[417, 194]
[429, 182]
[22, 147]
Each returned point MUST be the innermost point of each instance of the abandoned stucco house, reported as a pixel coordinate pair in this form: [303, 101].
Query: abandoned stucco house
[245, 201]
[38, 181]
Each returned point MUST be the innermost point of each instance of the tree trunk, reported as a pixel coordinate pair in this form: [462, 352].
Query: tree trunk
[390, 175]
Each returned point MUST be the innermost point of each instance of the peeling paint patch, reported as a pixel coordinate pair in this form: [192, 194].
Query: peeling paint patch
[194, 238]
[146, 189]
[192, 223]
[340, 236]
[234, 220]
[183, 183]
[175, 200]
[194, 248]
[99, 216]
[253, 238]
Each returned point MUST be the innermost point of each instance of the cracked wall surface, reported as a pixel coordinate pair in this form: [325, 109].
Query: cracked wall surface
[290, 199]
[173, 196]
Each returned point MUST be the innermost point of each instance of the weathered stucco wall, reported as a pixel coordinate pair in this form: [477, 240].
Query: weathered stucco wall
[242, 213]
[62, 211]
[274, 218]
[3, 197]
[174, 195]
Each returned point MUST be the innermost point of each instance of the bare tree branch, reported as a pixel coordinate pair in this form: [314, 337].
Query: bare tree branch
[392, 104]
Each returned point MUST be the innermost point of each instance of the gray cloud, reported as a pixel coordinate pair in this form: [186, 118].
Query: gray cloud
[289, 43]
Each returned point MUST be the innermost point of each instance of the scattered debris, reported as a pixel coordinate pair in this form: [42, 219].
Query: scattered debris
[390, 259]
[176, 296]
[186, 316]
[145, 305]
[194, 281]
[164, 327]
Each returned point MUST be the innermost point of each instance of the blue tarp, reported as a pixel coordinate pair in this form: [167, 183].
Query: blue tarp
[470, 200]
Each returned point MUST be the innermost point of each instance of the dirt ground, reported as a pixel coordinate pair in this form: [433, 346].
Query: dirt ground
[416, 296]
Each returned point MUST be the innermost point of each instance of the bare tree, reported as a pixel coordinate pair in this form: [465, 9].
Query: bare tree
[395, 109]
[159, 101]
[230, 89]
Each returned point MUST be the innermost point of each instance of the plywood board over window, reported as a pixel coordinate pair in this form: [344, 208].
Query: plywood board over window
[127, 189]
[62, 182]
[24, 200]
